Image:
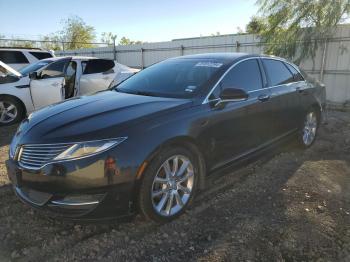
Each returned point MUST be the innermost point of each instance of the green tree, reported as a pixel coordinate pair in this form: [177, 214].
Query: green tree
[77, 33]
[23, 44]
[108, 38]
[215, 34]
[126, 41]
[296, 28]
[256, 25]
[53, 42]
[74, 35]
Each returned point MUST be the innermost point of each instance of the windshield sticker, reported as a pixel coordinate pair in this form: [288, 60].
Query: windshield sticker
[209, 64]
[190, 88]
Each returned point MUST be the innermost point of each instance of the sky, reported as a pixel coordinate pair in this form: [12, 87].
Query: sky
[147, 21]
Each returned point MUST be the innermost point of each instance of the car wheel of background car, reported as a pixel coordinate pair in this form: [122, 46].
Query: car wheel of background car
[11, 111]
[168, 185]
[309, 130]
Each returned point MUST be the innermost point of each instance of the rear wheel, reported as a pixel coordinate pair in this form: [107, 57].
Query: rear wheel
[169, 185]
[309, 130]
[11, 111]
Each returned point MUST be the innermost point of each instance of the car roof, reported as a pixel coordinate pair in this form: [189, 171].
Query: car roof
[223, 57]
[23, 49]
[226, 57]
[217, 55]
[70, 57]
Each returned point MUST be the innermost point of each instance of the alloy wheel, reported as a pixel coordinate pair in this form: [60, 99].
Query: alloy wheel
[172, 186]
[8, 112]
[310, 128]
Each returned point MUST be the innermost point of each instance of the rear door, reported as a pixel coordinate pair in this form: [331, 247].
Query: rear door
[284, 96]
[97, 75]
[49, 87]
[303, 92]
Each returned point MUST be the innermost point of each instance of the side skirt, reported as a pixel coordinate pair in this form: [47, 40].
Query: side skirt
[252, 153]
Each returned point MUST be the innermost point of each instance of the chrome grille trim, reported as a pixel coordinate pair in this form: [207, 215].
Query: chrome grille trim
[35, 156]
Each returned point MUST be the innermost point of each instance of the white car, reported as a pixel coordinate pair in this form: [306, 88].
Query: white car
[53, 80]
[18, 58]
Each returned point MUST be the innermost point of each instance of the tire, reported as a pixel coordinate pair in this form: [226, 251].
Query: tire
[158, 189]
[11, 111]
[308, 133]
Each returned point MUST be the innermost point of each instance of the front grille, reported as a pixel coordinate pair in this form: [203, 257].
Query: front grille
[37, 155]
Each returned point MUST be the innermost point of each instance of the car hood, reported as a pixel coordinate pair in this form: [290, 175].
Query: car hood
[103, 115]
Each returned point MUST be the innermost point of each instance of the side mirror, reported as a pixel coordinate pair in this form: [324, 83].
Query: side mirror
[233, 94]
[33, 75]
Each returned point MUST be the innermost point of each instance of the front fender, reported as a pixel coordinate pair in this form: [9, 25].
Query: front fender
[21, 91]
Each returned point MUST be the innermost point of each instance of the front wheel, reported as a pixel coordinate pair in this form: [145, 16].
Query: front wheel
[309, 130]
[11, 111]
[169, 185]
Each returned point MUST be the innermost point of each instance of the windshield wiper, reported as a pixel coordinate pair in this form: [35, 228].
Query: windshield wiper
[145, 93]
[136, 92]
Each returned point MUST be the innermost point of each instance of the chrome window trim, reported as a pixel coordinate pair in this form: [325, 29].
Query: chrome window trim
[286, 62]
[206, 100]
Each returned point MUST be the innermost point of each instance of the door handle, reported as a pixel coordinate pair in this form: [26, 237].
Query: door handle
[55, 84]
[263, 97]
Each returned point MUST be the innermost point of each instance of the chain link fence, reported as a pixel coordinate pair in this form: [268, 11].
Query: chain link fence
[46, 44]
[331, 63]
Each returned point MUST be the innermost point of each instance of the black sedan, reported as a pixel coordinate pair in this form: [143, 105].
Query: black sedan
[147, 144]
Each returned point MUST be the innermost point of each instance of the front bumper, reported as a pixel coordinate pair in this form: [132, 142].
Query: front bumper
[71, 198]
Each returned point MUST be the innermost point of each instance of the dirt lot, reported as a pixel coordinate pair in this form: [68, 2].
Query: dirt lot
[293, 206]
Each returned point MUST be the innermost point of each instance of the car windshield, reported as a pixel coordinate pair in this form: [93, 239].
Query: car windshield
[34, 67]
[178, 78]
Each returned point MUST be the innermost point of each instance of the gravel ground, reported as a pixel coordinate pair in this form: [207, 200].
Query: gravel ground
[292, 206]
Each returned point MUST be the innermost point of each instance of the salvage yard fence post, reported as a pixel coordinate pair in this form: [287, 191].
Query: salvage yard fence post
[182, 50]
[324, 55]
[114, 48]
[142, 59]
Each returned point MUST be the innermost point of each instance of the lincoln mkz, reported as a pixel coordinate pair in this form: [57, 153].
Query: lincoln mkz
[146, 145]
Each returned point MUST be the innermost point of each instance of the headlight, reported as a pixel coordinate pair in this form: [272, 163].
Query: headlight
[84, 149]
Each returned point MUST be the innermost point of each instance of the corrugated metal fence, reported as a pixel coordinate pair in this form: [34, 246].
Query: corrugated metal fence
[331, 63]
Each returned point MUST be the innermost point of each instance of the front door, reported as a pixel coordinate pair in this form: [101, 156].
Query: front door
[238, 128]
[48, 88]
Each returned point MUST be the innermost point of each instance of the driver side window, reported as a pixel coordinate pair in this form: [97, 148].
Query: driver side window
[246, 75]
[55, 69]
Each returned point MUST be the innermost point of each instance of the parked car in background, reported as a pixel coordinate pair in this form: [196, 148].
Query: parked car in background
[18, 58]
[148, 144]
[53, 80]
[124, 72]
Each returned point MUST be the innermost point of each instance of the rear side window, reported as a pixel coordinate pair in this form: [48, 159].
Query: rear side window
[277, 72]
[55, 69]
[97, 66]
[246, 75]
[13, 57]
[41, 55]
[297, 76]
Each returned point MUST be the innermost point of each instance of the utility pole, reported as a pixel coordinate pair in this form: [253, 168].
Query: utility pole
[114, 48]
